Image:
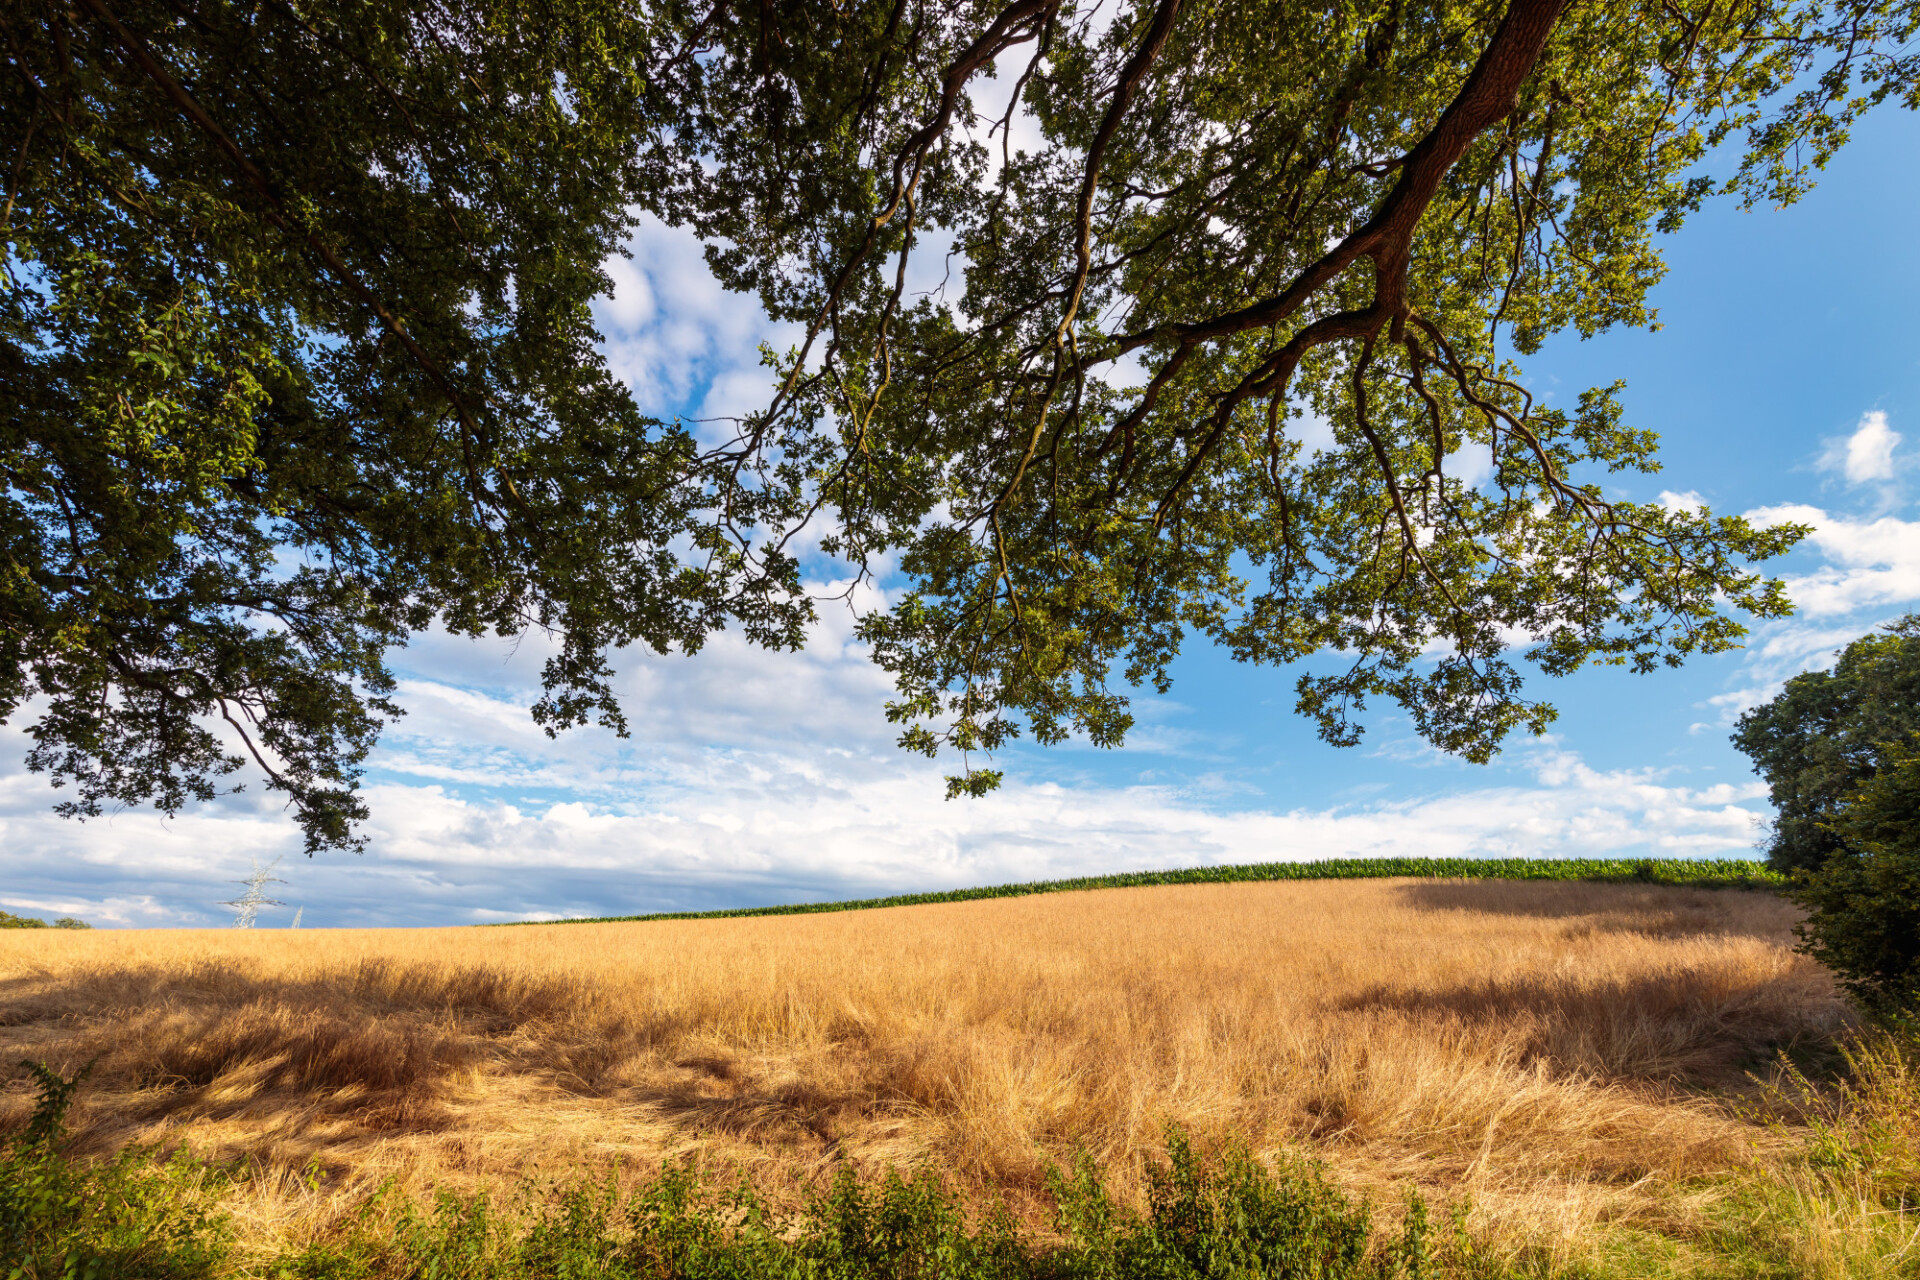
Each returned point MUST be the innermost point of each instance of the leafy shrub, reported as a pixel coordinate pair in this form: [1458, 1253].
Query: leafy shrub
[135, 1219]
[1826, 734]
[1863, 904]
[1230, 1217]
[128, 1219]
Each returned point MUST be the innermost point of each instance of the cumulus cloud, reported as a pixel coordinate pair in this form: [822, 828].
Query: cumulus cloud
[1689, 501]
[1849, 576]
[1869, 563]
[680, 341]
[757, 778]
[1867, 454]
[730, 827]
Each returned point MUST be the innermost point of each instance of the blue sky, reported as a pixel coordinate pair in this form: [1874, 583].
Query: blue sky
[1785, 382]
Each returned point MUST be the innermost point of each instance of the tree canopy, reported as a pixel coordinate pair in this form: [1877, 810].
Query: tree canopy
[1829, 733]
[1863, 903]
[1840, 751]
[298, 359]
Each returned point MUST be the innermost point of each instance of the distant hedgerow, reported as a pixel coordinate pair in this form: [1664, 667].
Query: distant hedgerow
[10, 921]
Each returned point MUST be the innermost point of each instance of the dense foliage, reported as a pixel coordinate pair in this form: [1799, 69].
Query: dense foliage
[1863, 903]
[1827, 733]
[296, 360]
[10, 921]
[296, 355]
[1705, 873]
[1840, 751]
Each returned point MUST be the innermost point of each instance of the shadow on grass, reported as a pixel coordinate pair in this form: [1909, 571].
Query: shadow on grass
[1653, 910]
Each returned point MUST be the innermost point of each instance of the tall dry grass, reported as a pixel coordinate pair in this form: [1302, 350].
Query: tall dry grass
[1557, 1054]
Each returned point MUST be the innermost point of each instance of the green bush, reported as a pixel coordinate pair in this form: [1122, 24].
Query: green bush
[10, 921]
[1231, 1217]
[130, 1218]
[1863, 904]
[1826, 734]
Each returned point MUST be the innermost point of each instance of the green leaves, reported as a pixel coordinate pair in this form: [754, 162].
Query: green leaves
[1840, 751]
[1863, 902]
[298, 359]
[1359, 215]
[1827, 733]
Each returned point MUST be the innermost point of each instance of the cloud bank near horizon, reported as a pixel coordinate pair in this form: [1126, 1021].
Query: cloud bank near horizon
[756, 778]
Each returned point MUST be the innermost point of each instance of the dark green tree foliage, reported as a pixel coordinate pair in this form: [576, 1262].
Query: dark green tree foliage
[1827, 734]
[1239, 214]
[10, 921]
[296, 357]
[1863, 903]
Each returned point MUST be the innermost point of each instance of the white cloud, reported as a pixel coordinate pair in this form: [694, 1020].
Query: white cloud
[680, 341]
[1689, 502]
[1864, 573]
[747, 827]
[1870, 563]
[1471, 464]
[757, 778]
[1867, 454]
[1315, 434]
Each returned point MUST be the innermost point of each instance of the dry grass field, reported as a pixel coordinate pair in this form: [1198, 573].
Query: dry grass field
[1560, 1056]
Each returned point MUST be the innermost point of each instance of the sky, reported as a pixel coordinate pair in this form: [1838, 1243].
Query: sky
[1784, 383]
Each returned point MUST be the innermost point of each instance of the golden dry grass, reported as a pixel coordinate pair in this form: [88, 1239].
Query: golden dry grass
[1564, 1054]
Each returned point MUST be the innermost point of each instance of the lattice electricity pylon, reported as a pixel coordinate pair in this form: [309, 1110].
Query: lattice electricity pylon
[248, 904]
[297, 913]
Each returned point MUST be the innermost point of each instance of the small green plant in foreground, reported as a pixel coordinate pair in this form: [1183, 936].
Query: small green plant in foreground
[1234, 1216]
[1229, 1217]
[1697, 873]
[131, 1218]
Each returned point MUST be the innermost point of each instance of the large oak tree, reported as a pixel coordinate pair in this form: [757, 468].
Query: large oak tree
[296, 355]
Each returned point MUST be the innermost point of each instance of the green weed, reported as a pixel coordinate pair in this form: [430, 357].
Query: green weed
[131, 1218]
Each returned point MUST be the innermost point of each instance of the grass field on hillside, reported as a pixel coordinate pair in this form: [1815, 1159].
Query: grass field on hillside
[1700, 873]
[1576, 1078]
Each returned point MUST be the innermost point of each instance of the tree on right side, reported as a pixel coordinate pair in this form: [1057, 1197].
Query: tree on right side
[1841, 754]
[1863, 906]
